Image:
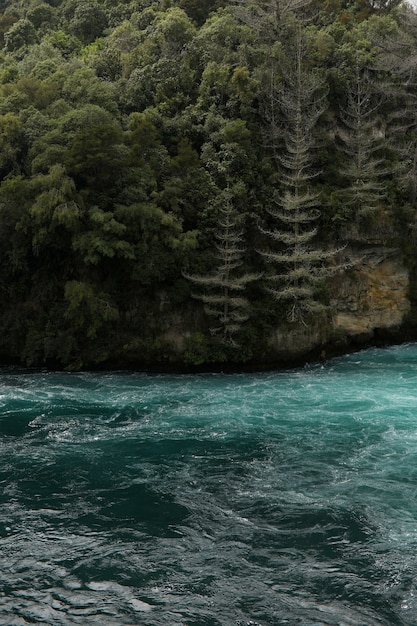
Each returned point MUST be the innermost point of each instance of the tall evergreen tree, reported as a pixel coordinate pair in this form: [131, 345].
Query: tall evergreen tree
[398, 55]
[223, 288]
[298, 264]
[268, 15]
[363, 169]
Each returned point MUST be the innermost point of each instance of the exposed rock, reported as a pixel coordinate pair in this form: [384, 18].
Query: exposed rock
[373, 295]
[370, 297]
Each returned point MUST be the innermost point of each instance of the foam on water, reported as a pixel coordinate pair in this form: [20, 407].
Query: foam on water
[211, 500]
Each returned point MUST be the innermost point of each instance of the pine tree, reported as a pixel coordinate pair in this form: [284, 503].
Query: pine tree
[298, 265]
[362, 169]
[223, 288]
[398, 57]
[268, 15]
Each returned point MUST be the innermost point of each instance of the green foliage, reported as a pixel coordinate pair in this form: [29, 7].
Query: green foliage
[55, 213]
[21, 33]
[11, 143]
[42, 15]
[141, 141]
[199, 10]
[88, 21]
[87, 308]
[223, 289]
[64, 42]
[197, 349]
[102, 239]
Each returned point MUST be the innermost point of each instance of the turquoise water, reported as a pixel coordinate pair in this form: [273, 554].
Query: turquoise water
[211, 500]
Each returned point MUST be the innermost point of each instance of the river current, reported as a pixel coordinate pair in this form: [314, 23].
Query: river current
[211, 500]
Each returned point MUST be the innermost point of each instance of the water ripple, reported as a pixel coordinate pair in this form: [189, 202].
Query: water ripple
[211, 500]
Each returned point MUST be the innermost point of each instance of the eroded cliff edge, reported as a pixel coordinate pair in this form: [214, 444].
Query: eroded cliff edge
[369, 303]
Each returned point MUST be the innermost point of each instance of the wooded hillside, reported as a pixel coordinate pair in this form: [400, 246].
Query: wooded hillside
[208, 159]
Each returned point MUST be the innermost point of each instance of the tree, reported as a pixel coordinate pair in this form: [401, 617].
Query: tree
[41, 15]
[11, 144]
[199, 10]
[223, 287]
[90, 314]
[227, 157]
[298, 265]
[398, 56]
[363, 169]
[55, 214]
[160, 72]
[21, 33]
[88, 22]
[270, 15]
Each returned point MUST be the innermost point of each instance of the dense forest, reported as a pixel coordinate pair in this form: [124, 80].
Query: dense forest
[196, 164]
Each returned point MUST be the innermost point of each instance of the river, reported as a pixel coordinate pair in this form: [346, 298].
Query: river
[257, 499]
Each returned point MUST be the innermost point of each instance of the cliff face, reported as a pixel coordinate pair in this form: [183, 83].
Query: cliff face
[369, 300]
[372, 296]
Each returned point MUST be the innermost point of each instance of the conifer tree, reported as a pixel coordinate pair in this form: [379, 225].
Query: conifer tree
[298, 265]
[398, 56]
[223, 288]
[267, 15]
[362, 169]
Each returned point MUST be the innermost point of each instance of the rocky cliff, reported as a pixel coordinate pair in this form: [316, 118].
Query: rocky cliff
[369, 300]
[373, 295]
